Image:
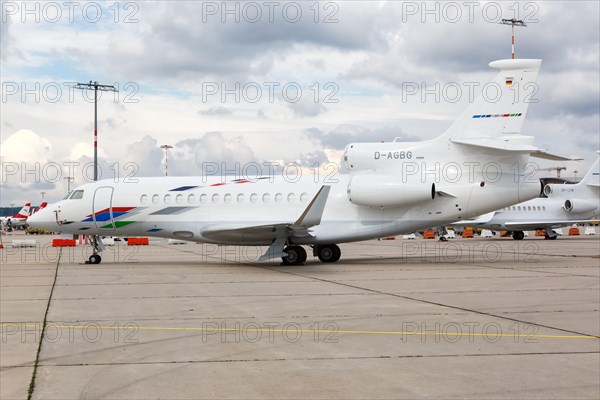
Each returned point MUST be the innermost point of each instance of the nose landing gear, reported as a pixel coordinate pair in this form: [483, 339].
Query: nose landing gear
[99, 247]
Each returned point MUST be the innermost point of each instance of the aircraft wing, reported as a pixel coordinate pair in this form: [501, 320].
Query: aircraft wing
[482, 219]
[258, 234]
[270, 232]
[533, 225]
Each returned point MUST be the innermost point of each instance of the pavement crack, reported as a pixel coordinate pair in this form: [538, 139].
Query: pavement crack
[43, 331]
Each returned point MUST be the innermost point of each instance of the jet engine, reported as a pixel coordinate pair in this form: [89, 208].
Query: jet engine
[387, 191]
[580, 206]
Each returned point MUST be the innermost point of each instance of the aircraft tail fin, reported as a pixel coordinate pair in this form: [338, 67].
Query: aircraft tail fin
[41, 207]
[24, 213]
[501, 106]
[592, 178]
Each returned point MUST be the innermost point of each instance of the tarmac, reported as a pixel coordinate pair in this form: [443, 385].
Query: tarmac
[468, 318]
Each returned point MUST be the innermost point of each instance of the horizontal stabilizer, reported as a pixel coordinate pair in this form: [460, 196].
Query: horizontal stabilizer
[554, 157]
[505, 145]
[496, 144]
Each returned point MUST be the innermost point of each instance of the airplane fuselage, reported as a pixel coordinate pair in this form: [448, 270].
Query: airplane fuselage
[188, 207]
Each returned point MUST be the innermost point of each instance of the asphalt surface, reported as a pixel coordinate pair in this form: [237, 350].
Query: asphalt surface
[470, 318]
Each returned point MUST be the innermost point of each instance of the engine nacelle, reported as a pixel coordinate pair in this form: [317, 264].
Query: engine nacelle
[387, 191]
[580, 206]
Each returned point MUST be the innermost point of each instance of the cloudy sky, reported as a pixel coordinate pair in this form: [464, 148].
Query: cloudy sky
[271, 81]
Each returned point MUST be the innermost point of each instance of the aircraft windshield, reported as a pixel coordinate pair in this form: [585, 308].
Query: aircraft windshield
[68, 194]
[78, 194]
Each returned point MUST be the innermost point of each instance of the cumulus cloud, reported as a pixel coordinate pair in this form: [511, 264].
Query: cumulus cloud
[306, 107]
[344, 134]
[26, 146]
[216, 110]
[85, 149]
[5, 37]
[368, 49]
[191, 156]
[147, 156]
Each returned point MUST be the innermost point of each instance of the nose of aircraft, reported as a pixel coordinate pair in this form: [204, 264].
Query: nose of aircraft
[44, 219]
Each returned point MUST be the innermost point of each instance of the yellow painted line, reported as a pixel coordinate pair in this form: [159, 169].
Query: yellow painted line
[292, 330]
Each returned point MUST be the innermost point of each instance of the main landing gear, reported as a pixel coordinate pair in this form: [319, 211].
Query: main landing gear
[327, 253]
[518, 235]
[296, 255]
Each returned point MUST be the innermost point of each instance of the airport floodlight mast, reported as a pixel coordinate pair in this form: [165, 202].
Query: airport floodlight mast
[166, 147]
[95, 86]
[69, 179]
[513, 22]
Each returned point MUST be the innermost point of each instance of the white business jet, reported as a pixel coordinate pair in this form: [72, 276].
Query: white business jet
[478, 165]
[561, 205]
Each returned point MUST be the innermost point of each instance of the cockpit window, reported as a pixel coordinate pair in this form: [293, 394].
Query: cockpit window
[77, 194]
[68, 195]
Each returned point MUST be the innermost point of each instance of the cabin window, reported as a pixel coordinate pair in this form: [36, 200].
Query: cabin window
[240, 198]
[144, 199]
[303, 197]
[191, 198]
[253, 198]
[266, 197]
[543, 208]
[215, 198]
[179, 199]
[518, 208]
[278, 198]
[155, 199]
[291, 197]
[167, 198]
[77, 194]
[203, 199]
[227, 198]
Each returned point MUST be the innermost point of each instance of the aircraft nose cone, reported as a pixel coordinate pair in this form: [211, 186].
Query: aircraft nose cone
[43, 219]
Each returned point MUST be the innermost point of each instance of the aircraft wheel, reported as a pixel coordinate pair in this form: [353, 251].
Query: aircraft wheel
[295, 255]
[518, 235]
[547, 237]
[95, 259]
[329, 253]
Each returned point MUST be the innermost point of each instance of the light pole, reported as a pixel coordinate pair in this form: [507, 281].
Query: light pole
[69, 180]
[95, 86]
[166, 147]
